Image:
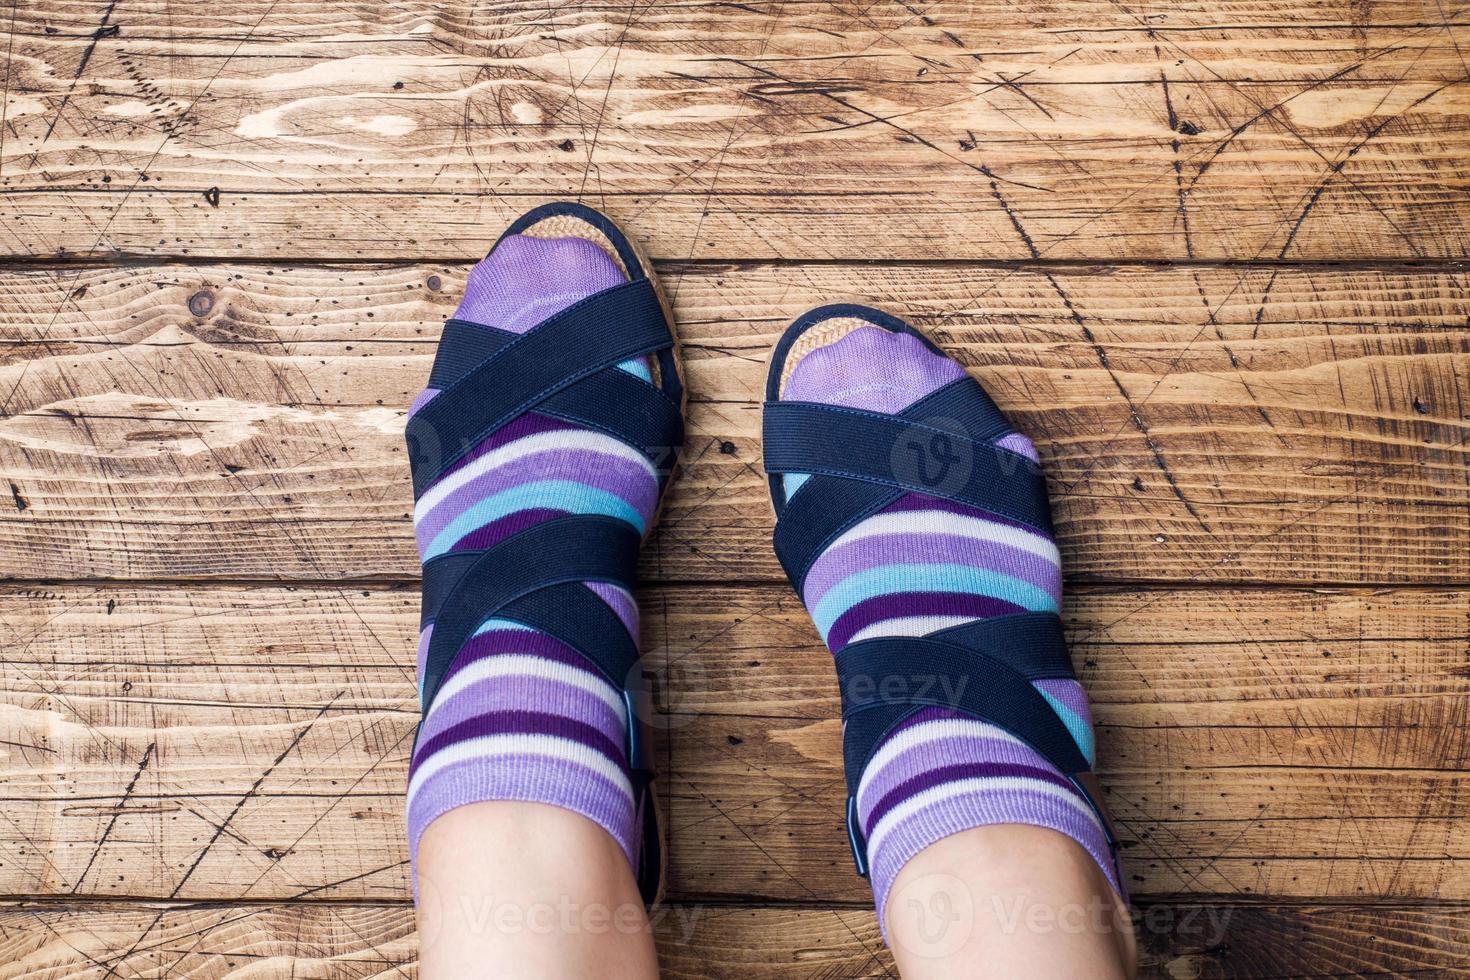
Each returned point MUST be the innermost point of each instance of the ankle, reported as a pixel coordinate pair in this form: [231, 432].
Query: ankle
[528, 889]
[981, 894]
[542, 853]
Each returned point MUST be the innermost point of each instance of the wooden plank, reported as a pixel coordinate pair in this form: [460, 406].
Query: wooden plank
[756, 806]
[1245, 130]
[1272, 424]
[1207, 942]
[210, 742]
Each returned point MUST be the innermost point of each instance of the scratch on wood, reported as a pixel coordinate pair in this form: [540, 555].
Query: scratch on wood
[117, 812]
[251, 793]
[1174, 144]
[104, 29]
[1133, 413]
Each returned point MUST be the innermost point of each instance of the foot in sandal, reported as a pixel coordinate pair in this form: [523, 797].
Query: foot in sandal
[913, 523]
[540, 450]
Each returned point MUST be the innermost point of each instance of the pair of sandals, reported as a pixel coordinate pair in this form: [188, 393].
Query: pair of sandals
[857, 462]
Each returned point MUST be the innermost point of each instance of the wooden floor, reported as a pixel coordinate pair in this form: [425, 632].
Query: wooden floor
[1209, 254]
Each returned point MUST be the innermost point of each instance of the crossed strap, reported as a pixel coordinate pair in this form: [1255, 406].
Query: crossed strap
[565, 368]
[860, 462]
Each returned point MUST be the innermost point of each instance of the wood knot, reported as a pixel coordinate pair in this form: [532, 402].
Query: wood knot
[434, 282]
[201, 303]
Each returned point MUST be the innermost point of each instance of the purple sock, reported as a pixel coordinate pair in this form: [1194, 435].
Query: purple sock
[920, 565]
[520, 715]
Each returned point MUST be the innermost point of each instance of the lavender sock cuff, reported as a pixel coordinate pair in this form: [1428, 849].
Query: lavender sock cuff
[983, 807]
[528, 779]
[941, 773]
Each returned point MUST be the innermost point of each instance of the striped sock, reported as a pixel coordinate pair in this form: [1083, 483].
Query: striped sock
[520, 715]
[920, 565]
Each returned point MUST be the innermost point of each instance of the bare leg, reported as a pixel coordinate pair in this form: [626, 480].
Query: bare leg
[519, 890]
[1008, 900]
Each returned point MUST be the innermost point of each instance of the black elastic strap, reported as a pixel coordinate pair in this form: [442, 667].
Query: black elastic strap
[578, 617]
[1033, 644]
[822, 509]
[611, 401]
[650, 854]
[440, 574]
[562, 550]
[826, 506]
[596, 333]
[627, 408]
[935, 457]
[462, 345]
[886, 679]
[966, 403]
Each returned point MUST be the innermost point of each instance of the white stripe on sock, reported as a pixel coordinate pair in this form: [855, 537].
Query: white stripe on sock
[909, 626]
[932, 731]
[488, 747]
[943, 522]
[988, 786]
[586, 439]
[529, 665]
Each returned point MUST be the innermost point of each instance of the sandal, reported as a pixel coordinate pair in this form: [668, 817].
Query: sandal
[566, 369]
[853, 463]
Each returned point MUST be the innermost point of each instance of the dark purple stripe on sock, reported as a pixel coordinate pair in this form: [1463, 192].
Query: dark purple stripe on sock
[967, 770]
[521, 723]
[489, 535]
[897, 604]
[919, 501]
[505, 643]
[518, 428]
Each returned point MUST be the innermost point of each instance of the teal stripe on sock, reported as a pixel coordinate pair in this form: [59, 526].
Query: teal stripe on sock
[791, 482]
[502, 624]
[566, 495]
[638, 367]
[888, 579]
[1081, 731]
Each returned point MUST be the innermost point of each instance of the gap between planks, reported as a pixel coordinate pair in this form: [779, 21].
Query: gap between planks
[666, 264]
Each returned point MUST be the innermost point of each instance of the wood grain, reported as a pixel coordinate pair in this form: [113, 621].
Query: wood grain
[1291, 425]
[1204, 942]
[1257, 456]
[226, 743]
[1243, 130]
